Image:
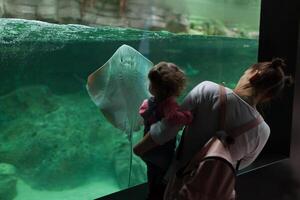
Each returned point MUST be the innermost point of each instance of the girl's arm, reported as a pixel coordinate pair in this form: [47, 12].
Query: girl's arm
[174, 115]
[143, 107]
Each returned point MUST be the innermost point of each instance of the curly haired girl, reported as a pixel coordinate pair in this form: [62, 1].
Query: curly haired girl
[166, 83]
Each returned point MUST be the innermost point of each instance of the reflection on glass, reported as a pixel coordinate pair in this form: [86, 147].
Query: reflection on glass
[54, 142]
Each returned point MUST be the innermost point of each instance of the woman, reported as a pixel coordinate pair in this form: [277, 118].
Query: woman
[260, 83]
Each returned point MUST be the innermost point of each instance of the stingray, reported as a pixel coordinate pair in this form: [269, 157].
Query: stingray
[119, 87]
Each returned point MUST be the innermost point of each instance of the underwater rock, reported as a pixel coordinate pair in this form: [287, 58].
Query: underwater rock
[68, 11]
[177, 23]
[8, 182]
[213, 27]
[1, 8]
[136, 14]
[47, 10]
[55, 154]
[24, 9]
[24, 101]
[56, 142]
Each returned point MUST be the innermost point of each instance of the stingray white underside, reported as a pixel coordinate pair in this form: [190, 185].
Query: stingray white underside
[119, 87]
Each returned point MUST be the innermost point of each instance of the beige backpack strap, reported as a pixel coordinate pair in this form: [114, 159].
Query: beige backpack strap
[222, 114]
[237, 131]
[222, 107]
[227, 136]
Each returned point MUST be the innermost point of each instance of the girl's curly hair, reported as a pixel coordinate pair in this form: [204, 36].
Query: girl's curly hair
[167, 79]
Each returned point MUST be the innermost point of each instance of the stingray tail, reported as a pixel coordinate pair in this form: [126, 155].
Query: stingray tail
[130, 158]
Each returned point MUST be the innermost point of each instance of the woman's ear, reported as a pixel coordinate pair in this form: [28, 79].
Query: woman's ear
[254, 76]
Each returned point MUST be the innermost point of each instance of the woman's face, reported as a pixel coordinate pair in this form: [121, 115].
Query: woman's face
[245, 78]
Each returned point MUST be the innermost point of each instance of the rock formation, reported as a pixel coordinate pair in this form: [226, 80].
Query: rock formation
[64, 138]
[124, 13]
[8, 182]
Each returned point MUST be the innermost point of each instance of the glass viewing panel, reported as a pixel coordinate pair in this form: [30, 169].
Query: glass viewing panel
[54, 142]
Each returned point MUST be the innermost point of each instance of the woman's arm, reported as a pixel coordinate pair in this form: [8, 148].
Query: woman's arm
[264, 133]
[163, 131]
[144, 145]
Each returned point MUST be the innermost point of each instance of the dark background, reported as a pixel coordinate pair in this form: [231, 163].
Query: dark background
[279, 36]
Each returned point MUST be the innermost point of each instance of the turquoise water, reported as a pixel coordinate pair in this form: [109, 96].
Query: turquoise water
[59, 142]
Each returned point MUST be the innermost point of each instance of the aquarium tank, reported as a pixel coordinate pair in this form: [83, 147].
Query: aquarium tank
[55, 142]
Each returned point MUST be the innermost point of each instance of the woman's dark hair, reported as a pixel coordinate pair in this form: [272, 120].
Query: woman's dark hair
[167, 79]
[271, 77]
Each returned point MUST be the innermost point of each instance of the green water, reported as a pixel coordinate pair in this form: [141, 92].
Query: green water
[59, 142]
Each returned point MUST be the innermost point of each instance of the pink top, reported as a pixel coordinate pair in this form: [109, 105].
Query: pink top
[170, 111]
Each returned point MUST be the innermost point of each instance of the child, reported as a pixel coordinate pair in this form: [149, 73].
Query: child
[166, 83]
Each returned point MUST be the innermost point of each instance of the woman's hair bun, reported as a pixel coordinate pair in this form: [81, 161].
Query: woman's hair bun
[278, 63]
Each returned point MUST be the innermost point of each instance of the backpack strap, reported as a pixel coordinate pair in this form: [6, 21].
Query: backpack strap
[227, 136]
[222, 107]
[237, 131]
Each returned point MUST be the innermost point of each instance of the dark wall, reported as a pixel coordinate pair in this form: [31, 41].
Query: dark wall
[281, 181]
[278, 38]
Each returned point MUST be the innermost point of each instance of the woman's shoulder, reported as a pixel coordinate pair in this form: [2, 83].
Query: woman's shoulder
[205, 92]
[208, 89]
[206, 86]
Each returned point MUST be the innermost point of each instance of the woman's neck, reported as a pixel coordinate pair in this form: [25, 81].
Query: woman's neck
[247, 95]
